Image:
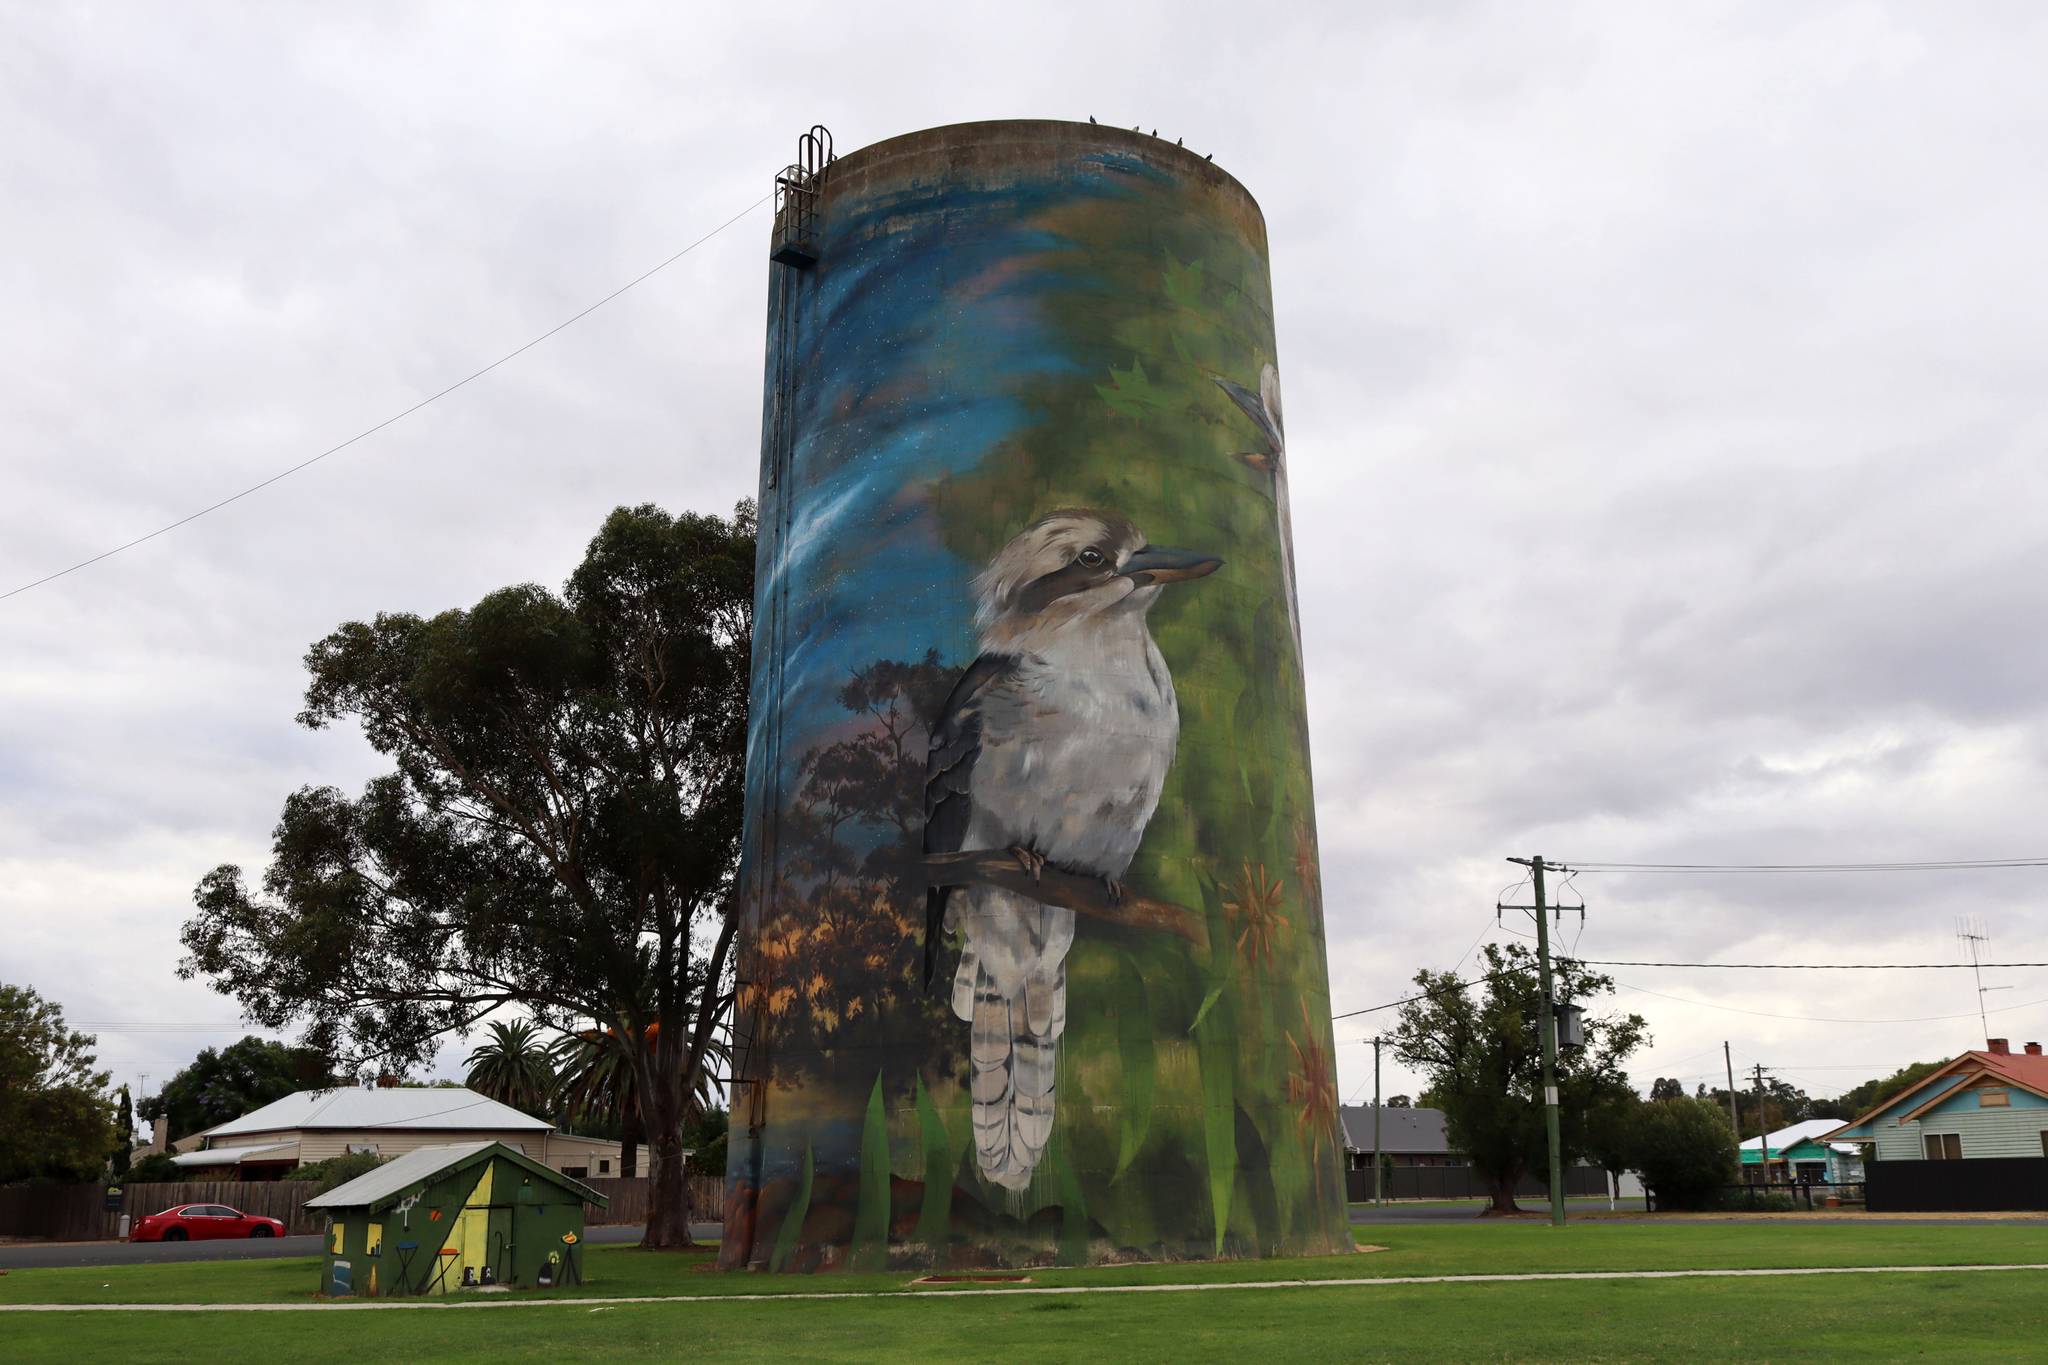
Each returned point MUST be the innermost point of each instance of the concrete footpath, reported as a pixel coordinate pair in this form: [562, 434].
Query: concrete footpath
[52, 1255]
[701, 1300]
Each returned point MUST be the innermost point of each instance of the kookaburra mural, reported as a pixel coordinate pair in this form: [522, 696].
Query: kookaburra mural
[1053, 747]
[1030, 924]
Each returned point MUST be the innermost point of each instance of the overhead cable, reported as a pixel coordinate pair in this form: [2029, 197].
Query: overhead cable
[388, 421]
[1819, 1019]
[1806, 966]
[1922, 865]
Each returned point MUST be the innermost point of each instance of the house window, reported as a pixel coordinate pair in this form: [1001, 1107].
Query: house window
[1993, 1097]
[1944, 1146]
[604, 1165]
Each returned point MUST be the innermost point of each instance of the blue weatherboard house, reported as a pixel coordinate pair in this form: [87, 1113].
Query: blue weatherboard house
[1992, 1103]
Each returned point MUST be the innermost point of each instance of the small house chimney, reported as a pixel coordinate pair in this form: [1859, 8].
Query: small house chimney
[1999, 1047]
[160, 1133]
[2033, 1049]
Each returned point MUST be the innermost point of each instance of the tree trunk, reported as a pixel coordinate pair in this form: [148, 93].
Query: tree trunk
[1504, 1193]
[629, 1140]
[668, 1194]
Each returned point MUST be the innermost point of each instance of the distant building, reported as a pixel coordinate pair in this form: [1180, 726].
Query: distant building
[1408, 1137]
[316, 1125]
[1992, 1103]
[1802, 1153]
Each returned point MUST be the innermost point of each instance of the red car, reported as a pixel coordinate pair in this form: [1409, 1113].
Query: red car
[200, 1222]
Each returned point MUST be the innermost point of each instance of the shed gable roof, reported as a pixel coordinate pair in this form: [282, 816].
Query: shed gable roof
[387, 1183]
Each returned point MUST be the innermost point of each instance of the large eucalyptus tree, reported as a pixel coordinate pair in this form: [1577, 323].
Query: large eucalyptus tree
[559, 832]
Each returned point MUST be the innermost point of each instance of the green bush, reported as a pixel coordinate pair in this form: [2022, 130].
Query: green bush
[154, 1169]
[336, 1171]
[1755, 1201]
[1684, 1150]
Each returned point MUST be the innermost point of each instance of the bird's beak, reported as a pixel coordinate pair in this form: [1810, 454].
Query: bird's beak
[1164, 564]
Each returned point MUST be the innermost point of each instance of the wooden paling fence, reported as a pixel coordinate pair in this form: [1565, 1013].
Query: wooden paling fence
[78, 1213]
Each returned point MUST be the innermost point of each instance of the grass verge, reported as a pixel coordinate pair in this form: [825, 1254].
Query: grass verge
[1986, 1315]
[1457, 1249]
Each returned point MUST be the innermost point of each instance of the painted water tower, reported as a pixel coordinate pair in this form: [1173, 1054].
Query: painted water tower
[1032, 958]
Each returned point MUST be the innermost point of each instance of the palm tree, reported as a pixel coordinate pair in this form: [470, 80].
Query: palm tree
[514, 1068]
[595, 1072]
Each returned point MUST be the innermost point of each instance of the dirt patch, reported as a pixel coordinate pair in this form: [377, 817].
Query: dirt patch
[971, 1278]
[1366, 1246]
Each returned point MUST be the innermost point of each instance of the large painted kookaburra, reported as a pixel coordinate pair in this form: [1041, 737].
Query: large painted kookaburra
[1052, 747]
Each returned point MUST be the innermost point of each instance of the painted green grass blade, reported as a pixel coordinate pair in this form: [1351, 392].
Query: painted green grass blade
[793, 1221]
[871, 1223]
[1138, 1052]
[1073, 1209]
[1217, 1054]
[935, 1216]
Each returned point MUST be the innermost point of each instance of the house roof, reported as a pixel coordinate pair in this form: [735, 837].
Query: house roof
[1401, 1130]
[387, 1182]
[230, 1156]
[2025, 1070]
[1806, 1130]
[410, 1106]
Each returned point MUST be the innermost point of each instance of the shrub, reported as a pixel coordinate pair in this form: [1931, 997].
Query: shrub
[154, 1169]
[336, 1171]
[1755, 1201]
[1684, 1150]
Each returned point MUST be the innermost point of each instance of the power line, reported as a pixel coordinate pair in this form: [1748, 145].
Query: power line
[1817, 1019]
[1806, 966]
[1922, 865]
[1429, 994]
[397, 417]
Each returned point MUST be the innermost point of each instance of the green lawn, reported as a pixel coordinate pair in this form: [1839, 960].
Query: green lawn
[1986, 1315]
[1455, 1249]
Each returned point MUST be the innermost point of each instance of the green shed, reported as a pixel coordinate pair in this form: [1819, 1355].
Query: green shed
[444, 1218]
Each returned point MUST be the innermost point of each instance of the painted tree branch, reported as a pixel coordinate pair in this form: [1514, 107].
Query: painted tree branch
[997, 867]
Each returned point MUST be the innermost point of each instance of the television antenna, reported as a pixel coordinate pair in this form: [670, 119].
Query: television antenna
[1971, 933]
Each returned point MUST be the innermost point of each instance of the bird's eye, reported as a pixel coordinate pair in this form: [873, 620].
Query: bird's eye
[1090, 558]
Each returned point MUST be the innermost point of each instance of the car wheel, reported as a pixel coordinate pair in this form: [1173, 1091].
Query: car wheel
[175, 1235]
[260, 1230]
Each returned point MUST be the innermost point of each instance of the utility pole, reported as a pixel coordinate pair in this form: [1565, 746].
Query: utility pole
[1378, 1195]
[1763, 1124]
[1734, 1114]
[1546, 1026]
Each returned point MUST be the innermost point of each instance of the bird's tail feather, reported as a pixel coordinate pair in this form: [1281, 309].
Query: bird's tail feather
[1013, 1045]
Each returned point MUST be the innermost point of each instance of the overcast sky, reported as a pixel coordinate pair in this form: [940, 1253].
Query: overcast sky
[1665, 417]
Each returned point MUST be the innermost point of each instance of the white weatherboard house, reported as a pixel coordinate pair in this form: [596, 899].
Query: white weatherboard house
[315, 1125]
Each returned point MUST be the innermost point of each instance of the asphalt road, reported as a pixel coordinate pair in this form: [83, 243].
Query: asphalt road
[35, 1255]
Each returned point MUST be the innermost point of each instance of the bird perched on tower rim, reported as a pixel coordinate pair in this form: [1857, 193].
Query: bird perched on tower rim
[1053, 746]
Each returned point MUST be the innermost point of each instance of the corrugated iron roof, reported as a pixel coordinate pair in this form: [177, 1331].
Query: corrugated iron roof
[229, 1156]
[1420, 1131]
[1802, 1131]
[422, 1164]
[396, 1174]
[398, 1107]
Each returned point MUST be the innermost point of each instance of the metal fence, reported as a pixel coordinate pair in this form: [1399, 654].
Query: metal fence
[1462, 1182]
[1804, 1195]
[1974, 1185]
[78, 1213]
